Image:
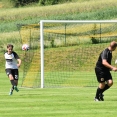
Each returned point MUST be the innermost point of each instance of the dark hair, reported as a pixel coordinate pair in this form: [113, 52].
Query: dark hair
[113, 44]
[9, 45]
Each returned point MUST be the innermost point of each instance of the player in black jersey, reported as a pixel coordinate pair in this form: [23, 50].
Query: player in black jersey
[102, 71]
[12, 64]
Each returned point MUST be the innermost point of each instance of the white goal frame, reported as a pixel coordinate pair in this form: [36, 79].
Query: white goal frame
[60, 21]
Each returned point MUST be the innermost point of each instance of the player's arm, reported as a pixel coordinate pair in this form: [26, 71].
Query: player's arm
[105, 63]
[19, 62]
[18, 59]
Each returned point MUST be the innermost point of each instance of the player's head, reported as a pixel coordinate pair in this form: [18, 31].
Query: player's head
[113, 45]
[9, 48]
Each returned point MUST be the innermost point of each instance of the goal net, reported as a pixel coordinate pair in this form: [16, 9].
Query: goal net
[63, 53]
[31, 58]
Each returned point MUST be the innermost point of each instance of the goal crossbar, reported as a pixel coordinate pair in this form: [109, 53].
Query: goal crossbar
[60, 21]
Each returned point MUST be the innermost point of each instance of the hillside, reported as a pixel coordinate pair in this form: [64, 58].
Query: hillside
[79, 10]
[85, 10]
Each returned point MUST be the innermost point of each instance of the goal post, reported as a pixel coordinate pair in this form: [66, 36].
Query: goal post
[97, 33]
[42, 53]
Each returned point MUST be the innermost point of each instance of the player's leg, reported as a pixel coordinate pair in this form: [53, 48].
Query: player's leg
[9, 72]
[99, 91]
[108, 85]
[16, 76]
[12, 83]
[101, 87]
[15, 87]
[109, 81]
[11, 90]
[11, 79]
[101, 79]
[10, 76]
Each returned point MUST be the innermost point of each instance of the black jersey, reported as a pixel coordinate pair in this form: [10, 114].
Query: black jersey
[105, 54]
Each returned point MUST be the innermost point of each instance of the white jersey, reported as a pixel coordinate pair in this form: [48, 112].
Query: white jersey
[11, 60]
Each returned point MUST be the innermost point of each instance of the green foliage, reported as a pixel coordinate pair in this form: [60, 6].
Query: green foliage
[52, 2]
[18, 3]
[6, 4]
[9, 18]
[8, 22]
[94, 40]
[48, 2]
[52, 43]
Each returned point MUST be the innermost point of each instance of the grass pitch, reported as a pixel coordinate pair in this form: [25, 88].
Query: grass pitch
[55, 102]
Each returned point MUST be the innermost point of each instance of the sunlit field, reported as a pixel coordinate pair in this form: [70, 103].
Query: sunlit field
[68, 8]
[82, 10]
[69, 82]
[55, 102]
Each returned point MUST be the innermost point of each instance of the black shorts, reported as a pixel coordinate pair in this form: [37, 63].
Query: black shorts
[102, 76]
[13, 72]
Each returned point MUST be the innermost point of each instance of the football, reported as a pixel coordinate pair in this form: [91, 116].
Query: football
[25, 47]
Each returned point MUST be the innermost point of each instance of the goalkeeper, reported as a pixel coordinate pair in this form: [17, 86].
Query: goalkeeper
[13, 62]
[102, 71]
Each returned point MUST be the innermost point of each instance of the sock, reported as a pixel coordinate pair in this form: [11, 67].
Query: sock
[105, 88]
[13, 83]
[98, 92]
[12, 88]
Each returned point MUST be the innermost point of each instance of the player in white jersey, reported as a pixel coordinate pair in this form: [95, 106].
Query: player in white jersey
[13, 62]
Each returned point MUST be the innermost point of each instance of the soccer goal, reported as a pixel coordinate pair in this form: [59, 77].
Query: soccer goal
[69, 51]
[63, 53]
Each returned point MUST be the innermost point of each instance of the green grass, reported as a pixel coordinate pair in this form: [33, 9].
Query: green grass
[40, 11]
[78, 10]
[55, 102]
[85, 10]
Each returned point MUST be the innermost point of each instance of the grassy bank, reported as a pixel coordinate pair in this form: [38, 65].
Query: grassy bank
[81, 10]
[85, 10]
[62, 9]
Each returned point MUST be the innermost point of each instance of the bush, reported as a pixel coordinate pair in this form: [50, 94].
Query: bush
[18, 3]
[48, 2]
[94, 40]
[52, 2]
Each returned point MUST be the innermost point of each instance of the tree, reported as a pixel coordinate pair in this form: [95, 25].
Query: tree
[48, 2]
[18, 3]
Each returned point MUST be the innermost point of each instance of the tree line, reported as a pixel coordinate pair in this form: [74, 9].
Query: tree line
[18, 3]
